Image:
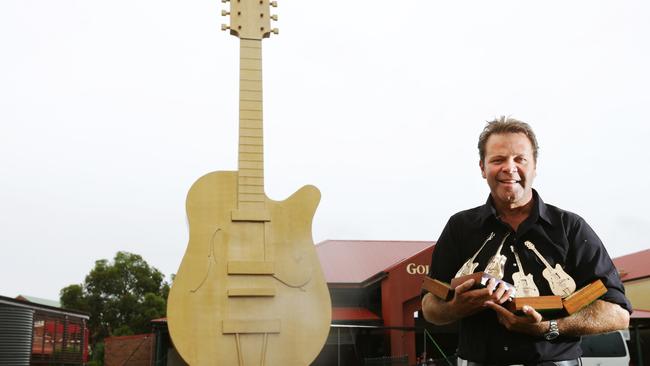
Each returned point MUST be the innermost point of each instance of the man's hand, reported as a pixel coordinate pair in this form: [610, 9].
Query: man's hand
[465, 302]
[530, 323]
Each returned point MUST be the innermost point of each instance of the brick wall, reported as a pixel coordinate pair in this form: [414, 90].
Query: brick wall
[135, 350]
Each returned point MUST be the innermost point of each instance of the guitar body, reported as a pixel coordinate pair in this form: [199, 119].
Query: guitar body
[495, 266]
[560, 282]
[466, 269]
[525, 285]
[248, 291]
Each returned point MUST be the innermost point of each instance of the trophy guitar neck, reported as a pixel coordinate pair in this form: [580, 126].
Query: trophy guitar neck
[469, 266]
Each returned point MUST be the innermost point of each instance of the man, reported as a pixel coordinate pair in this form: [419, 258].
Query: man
[513, 215]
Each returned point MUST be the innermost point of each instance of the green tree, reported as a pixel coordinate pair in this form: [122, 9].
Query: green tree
[121, 296]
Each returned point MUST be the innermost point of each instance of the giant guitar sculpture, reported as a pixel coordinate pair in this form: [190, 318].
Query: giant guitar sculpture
[249, 290]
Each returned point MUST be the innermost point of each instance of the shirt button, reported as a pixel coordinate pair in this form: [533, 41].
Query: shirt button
[505, 348]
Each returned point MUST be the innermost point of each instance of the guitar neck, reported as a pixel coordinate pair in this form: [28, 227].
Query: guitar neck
[481, 248]
[521, 268]
[501, 245]
[250, 184]
[541, 257]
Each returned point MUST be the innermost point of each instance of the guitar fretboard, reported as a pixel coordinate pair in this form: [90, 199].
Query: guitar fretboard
[530, 246]
[521, 268]
[250, 184]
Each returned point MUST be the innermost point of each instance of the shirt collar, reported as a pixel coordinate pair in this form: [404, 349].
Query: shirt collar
[539, 209]
[542, 209]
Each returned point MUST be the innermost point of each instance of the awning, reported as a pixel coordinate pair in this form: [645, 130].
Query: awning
[640, 314]
[353, 313]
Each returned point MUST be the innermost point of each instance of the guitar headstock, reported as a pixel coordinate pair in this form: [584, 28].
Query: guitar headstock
[529, 245]
[250, 19]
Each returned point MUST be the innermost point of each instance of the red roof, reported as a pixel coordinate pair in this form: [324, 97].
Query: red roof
[356, 261]
[343, 313]
[633, 266]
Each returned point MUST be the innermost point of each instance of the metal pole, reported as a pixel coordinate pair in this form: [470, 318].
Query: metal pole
[639, 351]
[158, 352]
[338, 346]
[424, 345]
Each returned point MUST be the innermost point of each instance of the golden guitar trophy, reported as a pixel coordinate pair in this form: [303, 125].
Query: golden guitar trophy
[250, 289]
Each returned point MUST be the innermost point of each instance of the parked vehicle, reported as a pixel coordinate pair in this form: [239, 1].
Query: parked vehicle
[607, 349]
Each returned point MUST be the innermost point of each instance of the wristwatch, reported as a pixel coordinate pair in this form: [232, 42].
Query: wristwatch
[553, 331]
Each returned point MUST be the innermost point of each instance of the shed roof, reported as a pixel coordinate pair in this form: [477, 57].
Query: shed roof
[633, 266]
[41, 307]
[39, 300]
[356, 261]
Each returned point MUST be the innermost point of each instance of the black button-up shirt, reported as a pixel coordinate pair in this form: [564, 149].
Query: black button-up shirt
[560, 237]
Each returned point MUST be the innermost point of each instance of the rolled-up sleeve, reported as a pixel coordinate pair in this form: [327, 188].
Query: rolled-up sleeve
[592, 262]
[446, 254]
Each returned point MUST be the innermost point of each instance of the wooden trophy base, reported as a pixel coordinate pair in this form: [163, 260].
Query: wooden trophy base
[550, 307]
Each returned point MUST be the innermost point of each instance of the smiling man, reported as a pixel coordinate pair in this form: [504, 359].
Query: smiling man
[555, 249]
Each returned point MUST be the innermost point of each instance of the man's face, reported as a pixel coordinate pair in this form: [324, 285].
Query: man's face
[509, 168]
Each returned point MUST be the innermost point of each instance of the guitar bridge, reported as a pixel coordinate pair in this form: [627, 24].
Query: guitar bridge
[250, 215]
[252, 292]
[251, 326]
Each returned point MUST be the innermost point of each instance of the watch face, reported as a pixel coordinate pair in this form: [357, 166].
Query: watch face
[551, 335]
[553, 331]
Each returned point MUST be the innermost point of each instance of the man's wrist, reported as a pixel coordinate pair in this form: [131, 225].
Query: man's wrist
[437, 311]
[450, 312]
[552, 330]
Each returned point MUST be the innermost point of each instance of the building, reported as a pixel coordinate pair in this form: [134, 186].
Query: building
[635, 273]
[38, 300]
[375, 288]
[39, 334]
[132, 350]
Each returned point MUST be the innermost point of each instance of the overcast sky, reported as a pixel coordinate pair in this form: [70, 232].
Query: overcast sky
[110, 110]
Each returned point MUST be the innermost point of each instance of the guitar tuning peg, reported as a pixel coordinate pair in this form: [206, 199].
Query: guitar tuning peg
[273, 4]
[224, 27]
[274, 17]
[224, 13]
[275, 31]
